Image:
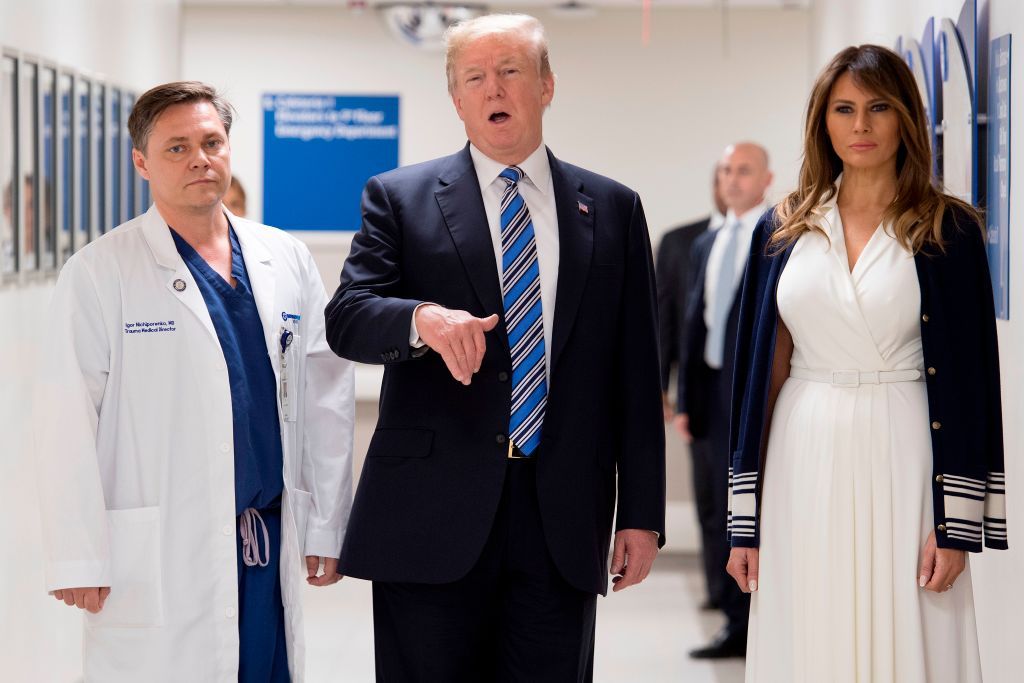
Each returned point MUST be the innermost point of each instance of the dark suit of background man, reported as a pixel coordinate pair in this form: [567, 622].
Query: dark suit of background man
[718, 261]
[674, 278]
[511, 297]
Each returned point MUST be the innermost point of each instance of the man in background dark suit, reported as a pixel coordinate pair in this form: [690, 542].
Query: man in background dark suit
[511, 298]
[675, 277]
[718, 259]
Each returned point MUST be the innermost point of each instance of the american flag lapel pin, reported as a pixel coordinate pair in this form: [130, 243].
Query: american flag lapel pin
[584, 209]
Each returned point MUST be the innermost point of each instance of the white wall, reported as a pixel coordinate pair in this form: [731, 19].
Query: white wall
[136, 44]
[998, 589]
[654, 117]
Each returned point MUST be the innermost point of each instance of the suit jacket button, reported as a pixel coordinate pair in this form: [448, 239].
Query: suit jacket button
[499, 439]
[936, 425]
[502, 376]
[941, 527]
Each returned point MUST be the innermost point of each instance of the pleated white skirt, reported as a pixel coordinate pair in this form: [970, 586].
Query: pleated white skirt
[846, 509]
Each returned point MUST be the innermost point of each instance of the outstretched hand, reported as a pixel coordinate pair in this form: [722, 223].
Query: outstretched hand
[457, 335]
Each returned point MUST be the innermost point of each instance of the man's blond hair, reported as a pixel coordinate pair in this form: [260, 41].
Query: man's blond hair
[459, 35]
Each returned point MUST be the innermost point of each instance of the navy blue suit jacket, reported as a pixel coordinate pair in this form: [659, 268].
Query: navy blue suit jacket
[436, 463]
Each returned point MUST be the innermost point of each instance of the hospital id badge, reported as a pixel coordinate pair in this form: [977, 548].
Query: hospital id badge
[286, 389]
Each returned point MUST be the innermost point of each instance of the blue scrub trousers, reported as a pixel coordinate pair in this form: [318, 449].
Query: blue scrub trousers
[262, 656]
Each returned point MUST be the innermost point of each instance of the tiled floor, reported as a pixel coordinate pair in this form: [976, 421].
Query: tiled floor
[642, 634]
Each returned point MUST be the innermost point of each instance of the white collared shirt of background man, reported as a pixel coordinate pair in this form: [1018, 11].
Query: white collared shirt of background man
[747, 224]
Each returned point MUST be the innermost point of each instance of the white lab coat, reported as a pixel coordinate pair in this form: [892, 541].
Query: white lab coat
[135, 450]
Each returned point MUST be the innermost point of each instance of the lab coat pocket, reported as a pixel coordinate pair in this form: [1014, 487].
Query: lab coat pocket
[302, 501]
[136, 593]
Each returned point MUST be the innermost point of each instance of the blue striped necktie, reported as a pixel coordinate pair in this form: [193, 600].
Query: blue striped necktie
[524, 319]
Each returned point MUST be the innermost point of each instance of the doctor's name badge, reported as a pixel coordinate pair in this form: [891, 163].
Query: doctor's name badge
[149, 327]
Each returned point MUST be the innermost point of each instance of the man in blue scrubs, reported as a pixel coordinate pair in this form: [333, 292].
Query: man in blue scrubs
[204, 454]
[258, 460]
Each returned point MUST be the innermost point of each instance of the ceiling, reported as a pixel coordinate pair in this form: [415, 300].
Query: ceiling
[734, 4]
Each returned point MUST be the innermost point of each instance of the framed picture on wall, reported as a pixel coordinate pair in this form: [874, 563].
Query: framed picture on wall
[8, 166]
[114, 145]
[130, 182]
[26, 195]
[65, 197]
[83, 161]
[66, 170]
[47, 183]
[99, 169]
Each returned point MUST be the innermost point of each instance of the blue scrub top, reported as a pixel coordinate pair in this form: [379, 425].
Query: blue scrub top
[257, 432]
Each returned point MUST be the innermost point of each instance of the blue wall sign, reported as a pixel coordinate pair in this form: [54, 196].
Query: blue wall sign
[318, 153]
[998, 213]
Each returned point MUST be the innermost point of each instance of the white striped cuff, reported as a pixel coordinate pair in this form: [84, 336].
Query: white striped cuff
[963, 502]
[995, 507]
[742, 504]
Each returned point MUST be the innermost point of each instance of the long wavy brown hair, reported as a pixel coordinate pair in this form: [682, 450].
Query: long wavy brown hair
[916, 212]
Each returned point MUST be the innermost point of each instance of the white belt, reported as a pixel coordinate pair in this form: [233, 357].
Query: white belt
[854, 378]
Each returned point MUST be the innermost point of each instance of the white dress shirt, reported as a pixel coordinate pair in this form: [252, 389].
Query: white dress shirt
[538, 191]
[745, 225]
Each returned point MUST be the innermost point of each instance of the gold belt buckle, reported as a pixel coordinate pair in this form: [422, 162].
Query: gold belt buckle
[511, 451]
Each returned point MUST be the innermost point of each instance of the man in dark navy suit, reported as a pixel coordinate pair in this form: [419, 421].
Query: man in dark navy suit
[705, 387]
[672, 269]
[511, 298]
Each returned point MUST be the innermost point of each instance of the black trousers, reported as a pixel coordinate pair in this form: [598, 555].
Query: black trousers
[513, 618]
[734, 602]
[704, 493]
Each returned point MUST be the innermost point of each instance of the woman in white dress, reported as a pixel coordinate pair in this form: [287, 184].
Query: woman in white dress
[867, 444]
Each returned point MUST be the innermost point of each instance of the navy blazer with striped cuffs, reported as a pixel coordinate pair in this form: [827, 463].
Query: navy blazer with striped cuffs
[958, 335]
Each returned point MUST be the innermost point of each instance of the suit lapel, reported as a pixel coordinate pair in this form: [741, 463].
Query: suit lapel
[576, 215]
[463, 210]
